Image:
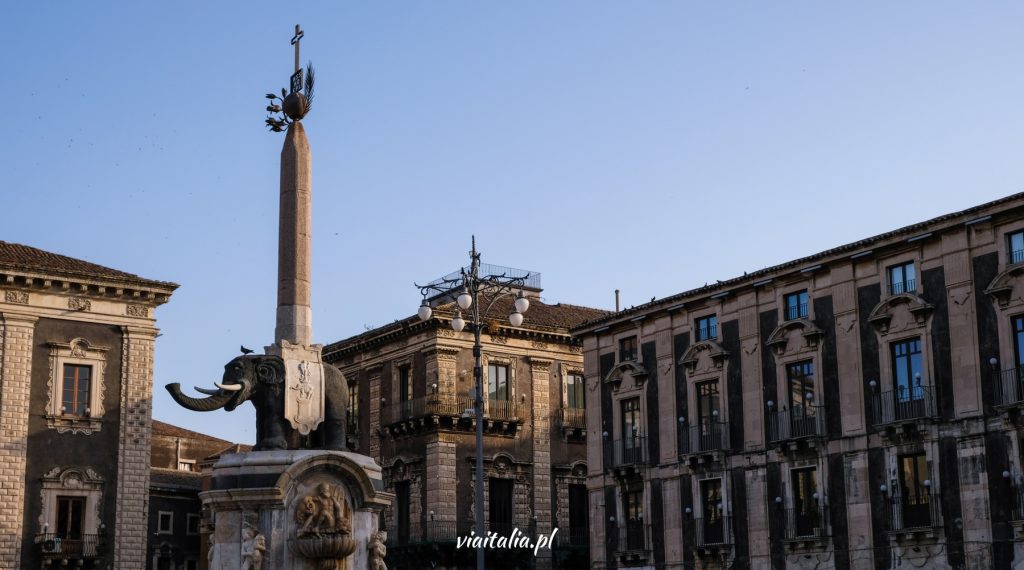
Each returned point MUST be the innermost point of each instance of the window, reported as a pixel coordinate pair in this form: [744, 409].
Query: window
[800, 376]
[805, 501]
[906, 370]
[186, 465]
[707, 328]
[631, 427]
[75, 393]
[627, 349]
[497, 383]
[1018, 340]
[69, 517]
[901, 279]
[353, 408]
[404, 384]
[914, 491]
[1015, 241]
[192, 524]
[713, 526]
[165, 522]
[633, 507]
[707, 403]
[796, 305]
[574, 394]
[76, 397]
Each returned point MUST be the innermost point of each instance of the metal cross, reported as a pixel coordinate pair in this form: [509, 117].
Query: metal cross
[295, 42]
[296, 80]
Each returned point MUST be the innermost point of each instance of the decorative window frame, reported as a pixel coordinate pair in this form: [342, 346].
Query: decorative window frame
[796, 289]
[82, 353]
[499, 360]
[565, 371]
[159, 520]
[698, 503]
[72, 482]
[898, 261]
[396, 388]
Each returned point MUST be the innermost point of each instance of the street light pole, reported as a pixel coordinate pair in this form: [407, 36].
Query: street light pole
[471, 285]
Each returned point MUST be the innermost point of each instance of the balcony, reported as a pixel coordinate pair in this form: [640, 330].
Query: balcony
[709, 439]
[795, 425]
[1008, 387]
[807, 526]
[900, 287]
[915, 517]
[903, 406]
[452, 411]
[712, 534]
[573, 422]
[573, 536]
[794, 312]
[634, 543]
[628, 452]
[81, 547]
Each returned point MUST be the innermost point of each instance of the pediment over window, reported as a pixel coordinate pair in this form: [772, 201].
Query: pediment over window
[900, 312]
[629, 368]
[794, 336]
[704, 355]
[1003, 287]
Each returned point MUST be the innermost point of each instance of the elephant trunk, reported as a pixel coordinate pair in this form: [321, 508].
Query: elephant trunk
[198, 404]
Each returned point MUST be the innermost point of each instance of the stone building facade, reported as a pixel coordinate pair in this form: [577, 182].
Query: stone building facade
[411, 411]
[855, 409]
[76, 366]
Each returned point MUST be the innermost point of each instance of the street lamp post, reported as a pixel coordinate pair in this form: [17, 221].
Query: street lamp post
[471, 284]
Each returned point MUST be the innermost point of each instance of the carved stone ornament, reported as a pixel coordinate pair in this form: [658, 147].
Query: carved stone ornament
[378, 550]
[304, 381]
[133, 310]
[629, 367]
[19, 297]
[254, 544]
[779, 339]
[79, 304]
[323, 531]
[691, 358]
[1002, 287]
[881, 316]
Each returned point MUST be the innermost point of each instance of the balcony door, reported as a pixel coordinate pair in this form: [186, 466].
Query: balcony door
[500, 499]
[579, 514]
[69, 517]
[914, 499]
[405, 391]
[713, 523]
[908, 384]
[806, 511]
[800, 376]
[631, 430]
[708, 402]
[633, 500]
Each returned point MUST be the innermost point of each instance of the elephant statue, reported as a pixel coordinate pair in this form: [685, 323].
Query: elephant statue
[260, 379]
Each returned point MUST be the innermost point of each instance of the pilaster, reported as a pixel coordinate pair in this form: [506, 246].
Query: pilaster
[373, 374]
[540, 378]
[133, 458]
[16, 332]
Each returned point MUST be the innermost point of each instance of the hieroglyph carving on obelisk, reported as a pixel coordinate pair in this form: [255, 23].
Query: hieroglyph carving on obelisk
[293, 335]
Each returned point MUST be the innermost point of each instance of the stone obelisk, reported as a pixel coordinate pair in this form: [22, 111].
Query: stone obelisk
[294, 313]
[293, 333]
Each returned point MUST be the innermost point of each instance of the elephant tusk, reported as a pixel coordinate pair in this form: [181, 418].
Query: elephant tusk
[208, 391]
[228, 387]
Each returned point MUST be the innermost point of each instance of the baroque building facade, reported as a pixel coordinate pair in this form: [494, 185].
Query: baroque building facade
[76, 366]
[855, 409]
[411, 410]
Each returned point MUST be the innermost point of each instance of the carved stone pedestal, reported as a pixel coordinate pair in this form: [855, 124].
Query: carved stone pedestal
[295, 510]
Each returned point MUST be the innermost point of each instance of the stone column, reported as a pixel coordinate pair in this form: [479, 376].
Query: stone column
[133, 455]
[294, 314]
[540, 378]
[16, 332]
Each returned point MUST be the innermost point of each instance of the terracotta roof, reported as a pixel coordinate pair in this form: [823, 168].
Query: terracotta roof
[168, 430]
[175, 479]
[558, 318]
[23, 257]
[233, 448]
[748, 279]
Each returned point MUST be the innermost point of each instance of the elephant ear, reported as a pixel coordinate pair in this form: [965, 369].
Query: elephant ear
[270, 371]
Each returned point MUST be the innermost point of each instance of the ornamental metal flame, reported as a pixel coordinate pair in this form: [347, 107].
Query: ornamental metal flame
[295, 104]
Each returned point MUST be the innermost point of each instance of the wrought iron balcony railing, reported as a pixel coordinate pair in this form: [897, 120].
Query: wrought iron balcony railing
[796, 312]
[914, 511]
[634, 535]
[709, 332]
[628, 451]
[704, 437]
[1008, 386]
[903, 404]
[57, 545]
[572, 417]
[906, 286]
[1016, 256]
[1017, 502]
[449, 405]
[712, 531]
[808, 521]
[573, 536]
[798, 422]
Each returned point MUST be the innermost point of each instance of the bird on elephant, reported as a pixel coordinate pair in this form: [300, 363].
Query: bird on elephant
[260, 379]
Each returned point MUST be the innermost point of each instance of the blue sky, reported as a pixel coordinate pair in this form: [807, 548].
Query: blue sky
[644, 146]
